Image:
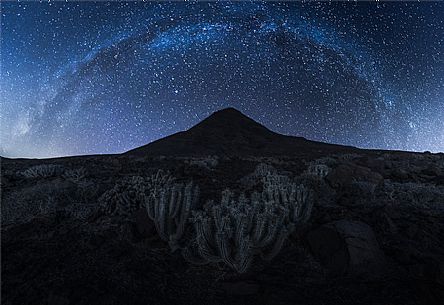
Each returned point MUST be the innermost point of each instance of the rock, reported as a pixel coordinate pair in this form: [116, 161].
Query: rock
[241, 288]
[145, 226]
[347, 248]
[354, 184]
[346, 174]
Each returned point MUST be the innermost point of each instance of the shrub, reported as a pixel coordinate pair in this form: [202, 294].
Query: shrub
[208, 163]
[75, 175]
[257, 176]
[419, 195]
[349, 157]
[42, 171]
[132, 193]
[22, 206]
[42, 199]
[126, 197]
[318, 170]
[296, 198]
[264, 169]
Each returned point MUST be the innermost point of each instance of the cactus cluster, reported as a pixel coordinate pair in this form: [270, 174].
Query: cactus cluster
[236, 230]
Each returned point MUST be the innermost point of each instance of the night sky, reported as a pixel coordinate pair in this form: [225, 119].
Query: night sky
[98, 77]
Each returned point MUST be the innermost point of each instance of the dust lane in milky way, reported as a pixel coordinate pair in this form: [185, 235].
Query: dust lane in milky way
[101, 77]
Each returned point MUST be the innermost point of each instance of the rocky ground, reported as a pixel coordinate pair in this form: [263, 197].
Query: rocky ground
[375, 235]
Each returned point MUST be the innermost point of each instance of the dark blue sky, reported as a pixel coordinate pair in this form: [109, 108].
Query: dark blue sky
[100, 77]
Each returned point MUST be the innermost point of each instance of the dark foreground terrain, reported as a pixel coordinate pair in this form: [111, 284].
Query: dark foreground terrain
[81, 230]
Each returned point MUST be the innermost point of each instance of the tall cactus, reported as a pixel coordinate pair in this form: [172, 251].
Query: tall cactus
[169, 205]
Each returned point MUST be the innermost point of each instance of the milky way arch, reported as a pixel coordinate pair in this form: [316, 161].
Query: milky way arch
[168, 66]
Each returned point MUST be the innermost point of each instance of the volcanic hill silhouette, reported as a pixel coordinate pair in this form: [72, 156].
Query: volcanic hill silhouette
[229, 132]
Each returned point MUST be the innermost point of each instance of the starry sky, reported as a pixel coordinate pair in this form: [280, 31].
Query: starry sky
[106, 77]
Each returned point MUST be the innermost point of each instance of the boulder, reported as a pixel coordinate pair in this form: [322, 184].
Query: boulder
[347, 248]
[330, 248]
[346, 174]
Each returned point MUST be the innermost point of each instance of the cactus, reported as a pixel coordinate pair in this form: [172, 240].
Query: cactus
[169, 206]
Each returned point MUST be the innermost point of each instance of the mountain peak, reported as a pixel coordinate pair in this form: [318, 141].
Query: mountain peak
[230, 111]
[229, 121]
[228, 115]
[230, 132]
